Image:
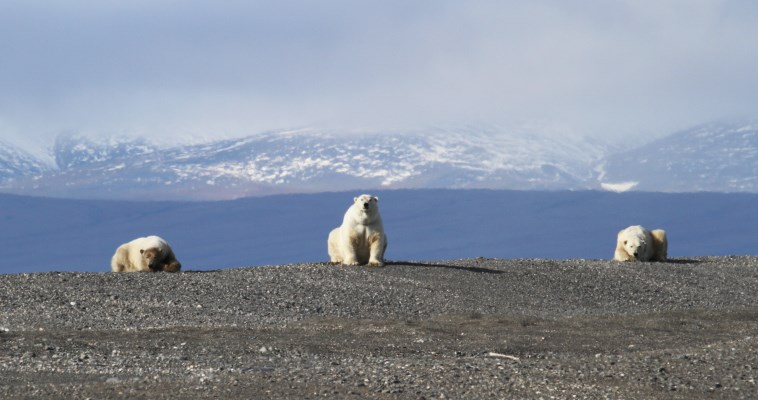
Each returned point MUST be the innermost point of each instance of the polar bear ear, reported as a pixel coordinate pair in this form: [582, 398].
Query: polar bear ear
[355, 199]
[375, 198]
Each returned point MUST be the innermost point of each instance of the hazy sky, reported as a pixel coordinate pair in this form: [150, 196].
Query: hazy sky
[229, 68]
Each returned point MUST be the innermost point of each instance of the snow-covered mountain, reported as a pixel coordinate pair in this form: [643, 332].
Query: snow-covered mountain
[17, 164]
[717, 157]
[714, 157]
[309, 160]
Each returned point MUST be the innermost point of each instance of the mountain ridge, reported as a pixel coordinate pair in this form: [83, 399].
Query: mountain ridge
[711, 157]
[719, 157]
[312, 160]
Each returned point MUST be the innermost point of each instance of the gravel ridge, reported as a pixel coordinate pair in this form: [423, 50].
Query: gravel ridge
[472, 328]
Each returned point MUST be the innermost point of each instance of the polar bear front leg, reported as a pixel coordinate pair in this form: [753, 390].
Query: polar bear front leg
[622, 255]
[171, 266]
[349, 249]
[350, 259]
[378, 246]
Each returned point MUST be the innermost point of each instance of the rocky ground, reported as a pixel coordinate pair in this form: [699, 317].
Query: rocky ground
[476, 328]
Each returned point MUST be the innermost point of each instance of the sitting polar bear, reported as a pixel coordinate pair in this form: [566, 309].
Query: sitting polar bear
[145, 254]
[360, 239]
[636, 243]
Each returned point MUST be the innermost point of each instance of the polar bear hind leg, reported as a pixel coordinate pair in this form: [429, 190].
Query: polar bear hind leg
[333, 245]
[660, 244]
[120, 259]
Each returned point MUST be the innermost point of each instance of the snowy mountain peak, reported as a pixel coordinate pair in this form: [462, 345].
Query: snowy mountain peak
[721, 157]
[309, 159]
[16, 164]
[71, 151]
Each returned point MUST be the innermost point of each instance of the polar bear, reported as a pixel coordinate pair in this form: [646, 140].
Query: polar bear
[145, 254]
[636, 243]
[360, 239]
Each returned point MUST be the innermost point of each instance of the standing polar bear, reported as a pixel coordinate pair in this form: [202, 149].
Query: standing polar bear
[145, 254]
[636, 243]
[360, 239]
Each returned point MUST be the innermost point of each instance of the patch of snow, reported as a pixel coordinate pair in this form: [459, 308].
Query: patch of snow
[619, 187]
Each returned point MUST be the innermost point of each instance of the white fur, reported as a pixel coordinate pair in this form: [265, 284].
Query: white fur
[361, 238]
[637, 243]
[129, 256]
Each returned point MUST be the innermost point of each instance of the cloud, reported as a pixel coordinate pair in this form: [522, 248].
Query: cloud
[174, 68]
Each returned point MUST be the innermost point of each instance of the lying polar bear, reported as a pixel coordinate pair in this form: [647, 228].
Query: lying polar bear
[143, 254]
[636, 243]
[361, 239]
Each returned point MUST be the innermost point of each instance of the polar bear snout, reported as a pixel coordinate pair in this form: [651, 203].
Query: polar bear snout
[363, 202]
[639, 250]
[635, 251]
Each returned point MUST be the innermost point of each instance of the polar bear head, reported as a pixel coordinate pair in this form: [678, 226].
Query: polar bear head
[367, 204]
[634, 243]
[152, 257]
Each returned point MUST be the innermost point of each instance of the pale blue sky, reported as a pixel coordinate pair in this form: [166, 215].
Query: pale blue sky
[230, 68]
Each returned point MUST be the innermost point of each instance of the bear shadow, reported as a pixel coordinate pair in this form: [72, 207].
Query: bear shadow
[478, 270]
[682, 261]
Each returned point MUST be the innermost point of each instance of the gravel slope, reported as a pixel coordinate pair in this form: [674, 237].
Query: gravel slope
[476, 328]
